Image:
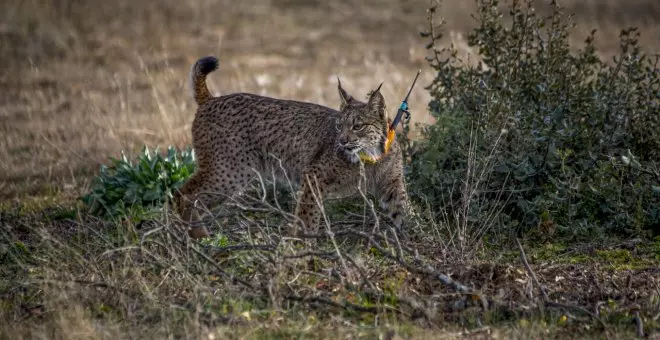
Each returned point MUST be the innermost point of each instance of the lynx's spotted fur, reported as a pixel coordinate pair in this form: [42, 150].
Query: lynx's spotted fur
[236, 134]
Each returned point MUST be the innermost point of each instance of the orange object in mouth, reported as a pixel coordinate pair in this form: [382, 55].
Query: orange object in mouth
[388, 143]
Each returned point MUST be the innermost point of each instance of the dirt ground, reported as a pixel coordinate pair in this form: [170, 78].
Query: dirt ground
[81, 80]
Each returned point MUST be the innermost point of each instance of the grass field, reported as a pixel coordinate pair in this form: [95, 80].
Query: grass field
[82, 80]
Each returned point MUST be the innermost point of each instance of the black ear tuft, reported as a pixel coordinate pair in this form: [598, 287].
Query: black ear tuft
[343, 96]
[377, 101]
[378, 88]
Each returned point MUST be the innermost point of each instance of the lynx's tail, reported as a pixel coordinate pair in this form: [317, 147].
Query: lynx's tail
[198, 74]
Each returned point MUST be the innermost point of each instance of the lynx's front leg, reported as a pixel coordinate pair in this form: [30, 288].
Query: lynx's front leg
[394, 199]
[309, 205]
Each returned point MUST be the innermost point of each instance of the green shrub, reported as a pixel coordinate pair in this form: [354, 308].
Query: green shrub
[535, 133]
[147, 184]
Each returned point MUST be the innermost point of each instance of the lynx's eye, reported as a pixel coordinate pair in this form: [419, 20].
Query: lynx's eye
[359, 127]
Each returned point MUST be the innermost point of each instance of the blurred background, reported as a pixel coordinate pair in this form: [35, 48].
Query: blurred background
[81, 80]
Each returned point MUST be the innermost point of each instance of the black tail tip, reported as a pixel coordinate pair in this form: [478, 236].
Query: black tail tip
[207, 65]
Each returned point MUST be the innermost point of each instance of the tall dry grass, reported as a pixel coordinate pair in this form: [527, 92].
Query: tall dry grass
[81, 80]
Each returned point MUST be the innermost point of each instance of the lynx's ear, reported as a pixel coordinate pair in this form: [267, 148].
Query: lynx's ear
[343, 96]
[377, 102]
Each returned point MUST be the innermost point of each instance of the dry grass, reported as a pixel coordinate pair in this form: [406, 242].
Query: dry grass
[76, 277]
[82, 278]
[81, 80]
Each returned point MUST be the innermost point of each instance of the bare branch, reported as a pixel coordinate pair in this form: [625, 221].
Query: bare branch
[531, 273]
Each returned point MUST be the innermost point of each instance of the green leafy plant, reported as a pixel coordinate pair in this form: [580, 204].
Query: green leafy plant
[533, 133]
[144, 185]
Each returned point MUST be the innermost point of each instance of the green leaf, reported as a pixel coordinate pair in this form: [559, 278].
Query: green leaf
[125, 188]
[152, 195]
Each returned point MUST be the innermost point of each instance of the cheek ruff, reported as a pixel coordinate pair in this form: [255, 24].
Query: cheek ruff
[373, 156]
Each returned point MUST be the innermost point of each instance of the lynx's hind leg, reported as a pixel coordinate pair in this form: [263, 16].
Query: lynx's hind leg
[210, 187]
[185, 202]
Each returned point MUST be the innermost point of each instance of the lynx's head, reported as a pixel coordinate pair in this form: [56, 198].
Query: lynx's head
[362, 127]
